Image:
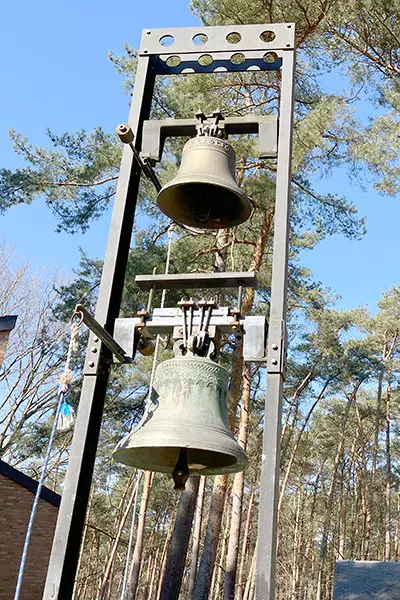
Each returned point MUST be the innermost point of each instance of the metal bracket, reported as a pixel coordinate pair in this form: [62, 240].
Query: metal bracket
[277, 342]
[99, 334]
[169, 320]
[156, 131]
[255, 329]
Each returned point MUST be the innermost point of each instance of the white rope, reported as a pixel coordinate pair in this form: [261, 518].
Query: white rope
[63, 391]
[66, 376]
[171, 230]
[132, 530]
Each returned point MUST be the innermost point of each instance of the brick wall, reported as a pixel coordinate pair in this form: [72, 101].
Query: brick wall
[15, 507]
[4, 335]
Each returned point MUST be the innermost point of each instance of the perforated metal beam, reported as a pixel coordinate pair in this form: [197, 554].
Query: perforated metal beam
[208, 49]
[219, 39]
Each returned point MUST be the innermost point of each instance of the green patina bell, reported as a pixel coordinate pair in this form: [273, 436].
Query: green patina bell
[185, 428]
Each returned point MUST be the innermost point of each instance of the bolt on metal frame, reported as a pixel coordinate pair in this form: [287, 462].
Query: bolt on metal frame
[237, 48]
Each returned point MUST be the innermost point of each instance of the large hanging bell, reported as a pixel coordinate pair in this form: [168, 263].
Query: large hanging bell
[205, 194]
[185, 427]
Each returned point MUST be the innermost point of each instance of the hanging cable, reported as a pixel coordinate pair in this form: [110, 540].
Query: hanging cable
[64, 388]
[171, 230]
[129, 550]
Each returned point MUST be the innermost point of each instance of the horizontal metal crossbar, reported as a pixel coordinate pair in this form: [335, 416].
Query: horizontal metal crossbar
[164, 321]
[224, 62]
[218, 49]
[196, 281]
[227, 38]
[156, 131]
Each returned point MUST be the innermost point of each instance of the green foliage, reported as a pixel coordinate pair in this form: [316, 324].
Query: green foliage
[75, 177]
[337, 463]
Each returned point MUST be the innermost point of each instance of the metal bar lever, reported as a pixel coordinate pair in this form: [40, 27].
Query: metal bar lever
[102, 334]
[126, 136]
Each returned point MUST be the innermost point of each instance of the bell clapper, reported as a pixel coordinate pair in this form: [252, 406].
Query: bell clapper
[181, 473]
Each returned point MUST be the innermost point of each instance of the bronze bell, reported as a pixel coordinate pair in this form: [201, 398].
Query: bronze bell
[185, 428]
[205, 194]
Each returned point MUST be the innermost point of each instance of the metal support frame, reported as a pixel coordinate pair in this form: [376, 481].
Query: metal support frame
[276, 349]
[172, 281]
[155, 133]
[166, 321]
[253, 47]
[102, 334]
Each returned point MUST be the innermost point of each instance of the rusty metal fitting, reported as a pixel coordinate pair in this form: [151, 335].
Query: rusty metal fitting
[146, 346]
[125, 133]
[143, 314]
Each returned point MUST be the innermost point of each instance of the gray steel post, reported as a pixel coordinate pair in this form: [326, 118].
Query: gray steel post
[68, 535]
[267, 519]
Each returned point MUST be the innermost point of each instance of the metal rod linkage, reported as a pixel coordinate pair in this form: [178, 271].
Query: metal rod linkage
[126, 136]
[102, 334]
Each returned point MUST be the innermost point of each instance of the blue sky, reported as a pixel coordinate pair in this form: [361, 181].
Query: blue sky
[56, 74]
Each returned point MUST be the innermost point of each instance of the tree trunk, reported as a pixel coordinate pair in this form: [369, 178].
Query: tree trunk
[165, 553]
[248, 590]
[370, 509]
[111, 557]
[244, 544]
[237, 495]
[85, 530]
[321, 588]
[388, 470]
[153, 574]
[137, 553]
[196, 537]
[204, 575]
[297, 444]
[172, 580]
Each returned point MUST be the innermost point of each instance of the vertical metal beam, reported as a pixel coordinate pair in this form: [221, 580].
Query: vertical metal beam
[267, 520]
[68, 535]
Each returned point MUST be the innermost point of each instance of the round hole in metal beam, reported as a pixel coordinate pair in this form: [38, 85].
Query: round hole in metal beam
[173, 61]
[238, 58]
[253, 68]
[270, 57]
[167, 40]
[199, 39]
[233, 37]
[267, 36]
[220, 70]
[205, 60]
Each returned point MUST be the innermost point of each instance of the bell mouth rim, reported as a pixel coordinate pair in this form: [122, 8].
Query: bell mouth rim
[239, 464]
[175, 442]
[163, 204]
